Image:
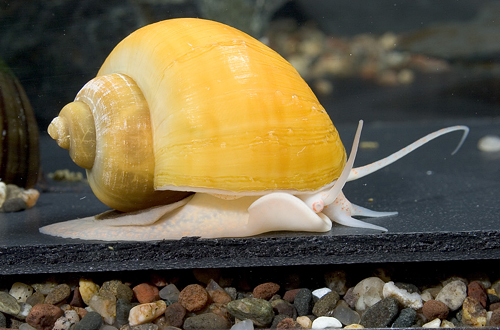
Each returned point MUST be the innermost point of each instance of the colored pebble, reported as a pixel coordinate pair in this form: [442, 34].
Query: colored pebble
[193, 297]
[174, 315]
[260, 311]
[21, 291]
[473, 313]
[265, 290]
[43, 316]
[405, 319]
[381, 315]
[476, 290]
[170, 293]
[283, 307]
[368, 292]
[8, 304]
[326, 305]
[104, 303]
[206, 321]
[433, 309]
[436, 323]
[288, 323]
[453, 294]
[217, 294]
[144, 313]
[146, 293]
[58, 294]
[324, 322]
[87, 289]
[303, 302]
[405, 298]
[290, 295]
[91, 321]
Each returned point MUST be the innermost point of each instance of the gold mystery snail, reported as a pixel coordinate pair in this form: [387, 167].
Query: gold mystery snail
[193, 128]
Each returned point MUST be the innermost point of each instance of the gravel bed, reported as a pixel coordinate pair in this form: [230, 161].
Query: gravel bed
[431, 294]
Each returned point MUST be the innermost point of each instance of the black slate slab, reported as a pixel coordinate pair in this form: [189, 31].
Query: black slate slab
[448, 210]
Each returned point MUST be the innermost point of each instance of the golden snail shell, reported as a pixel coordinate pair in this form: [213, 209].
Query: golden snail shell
[225, 113]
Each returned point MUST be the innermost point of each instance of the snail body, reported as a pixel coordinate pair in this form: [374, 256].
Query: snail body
[193, 106]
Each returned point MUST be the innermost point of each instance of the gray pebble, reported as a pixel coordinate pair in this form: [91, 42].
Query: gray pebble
[405, 319]
[345, 314]
[380, 315]
[8, 304]
[170, 294]
[206, 321]
[14, 205]
[326, 304]
[145, 326]
[91, 321]
[3, 321]
[303, 302]
[123, 308]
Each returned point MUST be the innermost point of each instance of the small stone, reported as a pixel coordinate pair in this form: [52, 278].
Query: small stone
[288, 323]
[3, 321]
[104, 303]
[345, 314]
[8, 304]
[30, 197]
[43, 316]
[25, 309]
[277, 319]
[193, 297]
[436, 323]
[290, 295]
[76, 300]
[243, 325]
[283, 307]
[170, 293]
[26, 326]
[336, 281]
[326, 305]
[380, 315]
[453, 294]
[21, 291]
[87, 289]
[3, 193]
[495, 318]
[44, 288]
[91, 321]
[303, 302]
[324, 322]
[473, 313]
[493, 299]
[477, 291]
[433, 309]
[14, 205]
[145, 326]
[410, 288]
[123, 308]
[318, 293]
[108, 327]
[405, 319]
[368, 292]
[206, 321]
[174, 315]
[447, 324]
[350, 298]
[494, 306]
[67, 321]
[305, 322]
[406, 299]
[354, 326]
[217, 294]
[118, 289]
[146, 293]
[260, 311]
[35, 298]
[232, 292]
[58, 294]
[144, 313]
[265, 290]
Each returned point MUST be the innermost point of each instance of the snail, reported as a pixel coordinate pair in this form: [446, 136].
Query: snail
[193, 128]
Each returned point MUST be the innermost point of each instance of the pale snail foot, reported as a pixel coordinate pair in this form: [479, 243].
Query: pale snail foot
[203, 216]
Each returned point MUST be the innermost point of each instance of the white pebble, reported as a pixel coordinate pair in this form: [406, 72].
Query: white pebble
[406, 299]
[436, 323]
[369, 292]
[324, 322]
[453, 294]
[489, 143]
[25, 310]
[21, 291]
[3, 192]
[318, 293]
[144, 313]
[243, 325]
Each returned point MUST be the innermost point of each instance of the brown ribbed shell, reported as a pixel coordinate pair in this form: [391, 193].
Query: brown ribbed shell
[19, 157]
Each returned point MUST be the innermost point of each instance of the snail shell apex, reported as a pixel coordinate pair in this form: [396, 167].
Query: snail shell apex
[227, 114]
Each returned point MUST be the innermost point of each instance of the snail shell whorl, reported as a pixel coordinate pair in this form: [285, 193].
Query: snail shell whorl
[227, 112]
[107, 131]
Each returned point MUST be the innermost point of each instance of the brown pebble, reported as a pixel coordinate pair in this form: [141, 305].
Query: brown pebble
[494, 306]
[265, 290]
[433, 309]
[219, 309]
[174, 315]
[288, 323]
[217, 294]
[146, 293]
[76, 300]
[476, 290]
[473, 313]
[193, 297]
[350, 298]
[35, 298]
[59, 294]
[43, 316]
[495, 318]
[290, 295]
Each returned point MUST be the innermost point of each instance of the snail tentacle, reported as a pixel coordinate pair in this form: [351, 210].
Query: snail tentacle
[359, 172]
